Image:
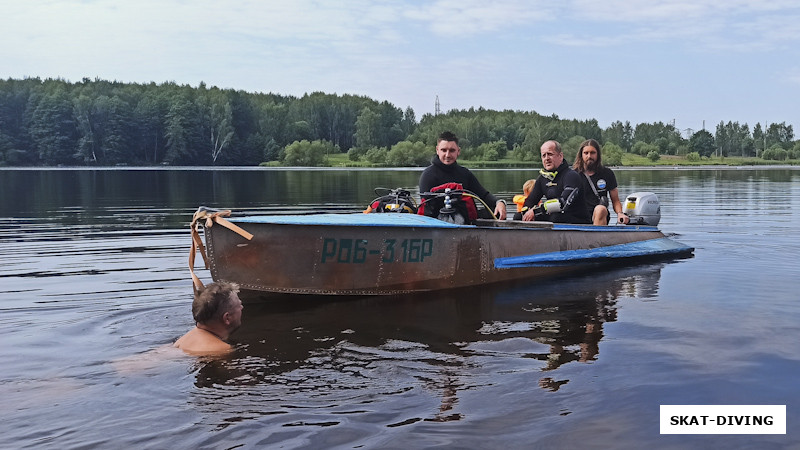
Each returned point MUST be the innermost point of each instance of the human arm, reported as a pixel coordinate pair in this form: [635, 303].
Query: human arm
[570, 198]
[427, 181]
[617, 205]
[474, 186]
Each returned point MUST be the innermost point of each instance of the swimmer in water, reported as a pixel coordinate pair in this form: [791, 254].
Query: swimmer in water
[217, 312]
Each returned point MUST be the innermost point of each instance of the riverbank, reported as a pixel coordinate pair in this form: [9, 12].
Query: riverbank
[628, 160]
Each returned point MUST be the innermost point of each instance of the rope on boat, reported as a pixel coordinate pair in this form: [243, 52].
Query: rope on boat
[210, 217]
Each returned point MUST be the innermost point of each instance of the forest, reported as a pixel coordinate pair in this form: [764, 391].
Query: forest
[54, 122]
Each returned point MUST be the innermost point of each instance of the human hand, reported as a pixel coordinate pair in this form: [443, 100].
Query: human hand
[500, 211]
[529, 215]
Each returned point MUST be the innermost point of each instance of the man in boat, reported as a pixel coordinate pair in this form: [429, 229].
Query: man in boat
[444, 169]
[561, 188]
[217, 312]
[599, 184]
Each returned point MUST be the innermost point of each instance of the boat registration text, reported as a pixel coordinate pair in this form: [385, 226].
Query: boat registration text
[389, 250]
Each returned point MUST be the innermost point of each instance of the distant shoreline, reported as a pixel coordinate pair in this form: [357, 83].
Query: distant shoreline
[324, 168]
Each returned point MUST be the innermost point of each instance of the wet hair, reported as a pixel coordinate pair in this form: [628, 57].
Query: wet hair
[579, 164]
[448, 136]
[212, 301]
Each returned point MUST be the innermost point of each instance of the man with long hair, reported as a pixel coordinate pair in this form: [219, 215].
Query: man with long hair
[599, 184]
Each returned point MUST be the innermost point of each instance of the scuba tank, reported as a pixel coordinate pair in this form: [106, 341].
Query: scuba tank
[448, 213]
[449, 202]
[396, 200]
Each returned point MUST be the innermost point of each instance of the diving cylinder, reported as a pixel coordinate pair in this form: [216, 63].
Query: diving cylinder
[643, 208]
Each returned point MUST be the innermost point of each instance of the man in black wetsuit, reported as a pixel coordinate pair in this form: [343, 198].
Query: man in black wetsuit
[589, 163]
[560, 186]
[445, 169]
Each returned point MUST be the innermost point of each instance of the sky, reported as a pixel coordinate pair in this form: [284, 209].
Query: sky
[693, 63]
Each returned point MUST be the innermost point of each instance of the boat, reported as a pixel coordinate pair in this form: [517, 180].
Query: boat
[355, 254]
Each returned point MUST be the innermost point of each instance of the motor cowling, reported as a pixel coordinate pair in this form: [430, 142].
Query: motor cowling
[643, 208]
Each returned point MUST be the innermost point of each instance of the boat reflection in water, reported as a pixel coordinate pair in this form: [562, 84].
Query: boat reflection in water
[305, 349]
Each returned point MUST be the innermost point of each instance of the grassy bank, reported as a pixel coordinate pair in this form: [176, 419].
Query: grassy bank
[628, 160]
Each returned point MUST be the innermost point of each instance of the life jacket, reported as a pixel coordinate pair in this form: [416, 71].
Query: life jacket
[519, 200]
[397, 201]
[463, 204]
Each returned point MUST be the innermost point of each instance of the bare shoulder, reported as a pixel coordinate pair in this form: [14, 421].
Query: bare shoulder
[199, 342]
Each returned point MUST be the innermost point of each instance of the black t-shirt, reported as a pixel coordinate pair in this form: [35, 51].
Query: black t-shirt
[604, 182]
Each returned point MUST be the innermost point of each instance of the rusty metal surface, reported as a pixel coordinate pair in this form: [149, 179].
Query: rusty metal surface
[340, 259]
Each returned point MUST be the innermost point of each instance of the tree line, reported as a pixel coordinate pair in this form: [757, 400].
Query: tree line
[54, 122]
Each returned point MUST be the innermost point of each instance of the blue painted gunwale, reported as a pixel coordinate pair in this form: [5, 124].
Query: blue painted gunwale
[412, 220]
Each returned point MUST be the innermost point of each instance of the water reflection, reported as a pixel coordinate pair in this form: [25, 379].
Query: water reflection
[313, 352]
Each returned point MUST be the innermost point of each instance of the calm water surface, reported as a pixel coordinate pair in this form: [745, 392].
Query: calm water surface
[95, 286]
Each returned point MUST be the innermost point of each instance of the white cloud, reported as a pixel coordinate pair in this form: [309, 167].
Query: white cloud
[672, 10]
[458, 18]
[730, 25]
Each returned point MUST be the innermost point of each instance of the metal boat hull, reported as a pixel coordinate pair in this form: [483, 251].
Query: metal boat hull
[383, 254]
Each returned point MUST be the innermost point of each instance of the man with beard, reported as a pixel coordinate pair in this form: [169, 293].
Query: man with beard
[560, 186]
[599, 183]
[217, 311]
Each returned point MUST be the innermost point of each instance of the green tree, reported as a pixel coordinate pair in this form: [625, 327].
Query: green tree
[702, 142]
[118, 135]
[53, 129]
[406, 153]
[775, 153]
[494, 150]
[759, 139]
[376, 156]
[780, 134]
[620, 134]
[733, 139]
[182, 133]
[612, 154]
[216, 121]
[570, 148]
[356, 153]
[367, 128]
[85, 118]
[149, 119]
[409, 122]
[308, 154]
[643, 148]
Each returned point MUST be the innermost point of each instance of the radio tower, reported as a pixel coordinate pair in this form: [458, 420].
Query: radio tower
[437, 111]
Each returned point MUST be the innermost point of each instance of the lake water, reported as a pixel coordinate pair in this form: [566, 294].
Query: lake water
[95, 286]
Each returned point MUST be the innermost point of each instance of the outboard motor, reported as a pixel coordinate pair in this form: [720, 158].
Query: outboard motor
[643, 208]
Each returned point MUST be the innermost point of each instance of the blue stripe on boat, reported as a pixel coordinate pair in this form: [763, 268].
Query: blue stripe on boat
[652, 247]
